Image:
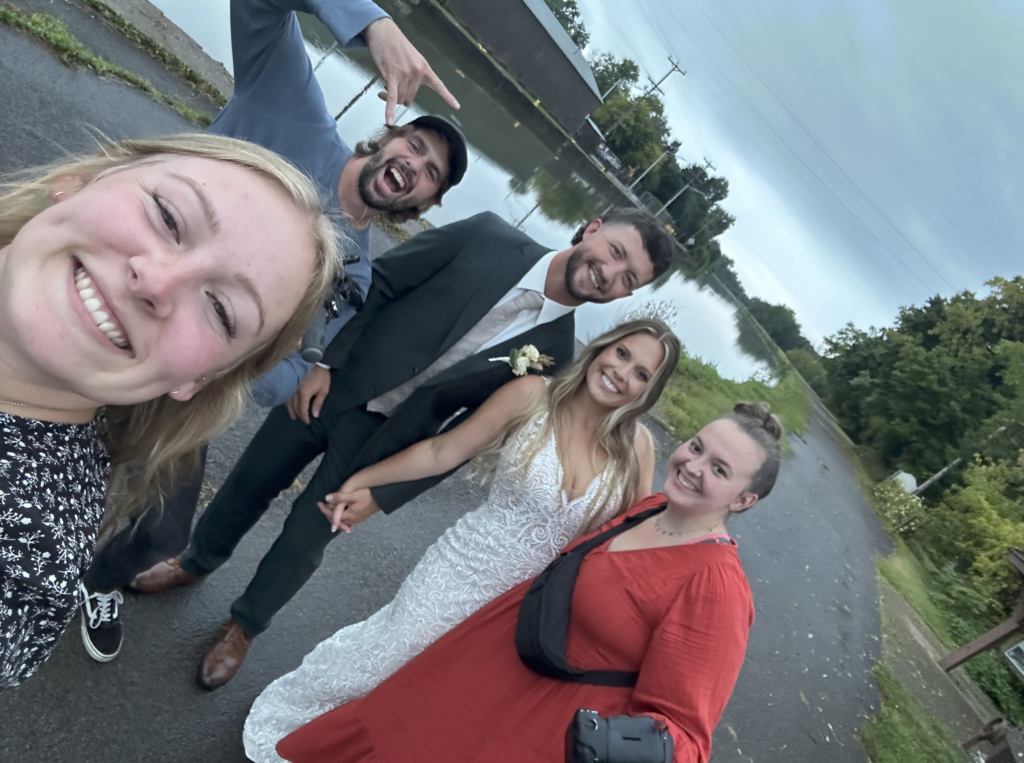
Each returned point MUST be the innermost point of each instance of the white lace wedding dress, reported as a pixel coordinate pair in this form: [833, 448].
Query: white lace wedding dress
[512, 537]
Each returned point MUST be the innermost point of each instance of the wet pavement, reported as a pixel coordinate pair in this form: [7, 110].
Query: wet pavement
[806, 686]
[808, 551]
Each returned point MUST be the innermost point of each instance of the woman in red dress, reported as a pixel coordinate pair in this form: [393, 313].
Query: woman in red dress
[667, 598]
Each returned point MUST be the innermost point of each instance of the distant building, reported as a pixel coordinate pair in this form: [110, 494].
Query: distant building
[526, 38]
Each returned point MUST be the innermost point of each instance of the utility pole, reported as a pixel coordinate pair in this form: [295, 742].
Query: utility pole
[609, 90]
[931, 480]
[527, 215]
[711, 218]
[654, 86]
[663, 155]
[679, 193]
[935, 477]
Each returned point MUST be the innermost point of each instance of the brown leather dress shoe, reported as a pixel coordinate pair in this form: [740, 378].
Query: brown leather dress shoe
[162, 576]
[224, 658]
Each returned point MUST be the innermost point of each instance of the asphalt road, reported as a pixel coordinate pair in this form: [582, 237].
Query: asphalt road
[804, 690]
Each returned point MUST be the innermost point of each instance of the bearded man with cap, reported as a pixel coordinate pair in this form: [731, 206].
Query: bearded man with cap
[398, 174]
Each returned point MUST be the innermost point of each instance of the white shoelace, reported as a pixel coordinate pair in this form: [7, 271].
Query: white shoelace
[101, 607]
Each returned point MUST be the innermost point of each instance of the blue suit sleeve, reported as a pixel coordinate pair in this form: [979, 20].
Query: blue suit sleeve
[280, 382]
[269, 53]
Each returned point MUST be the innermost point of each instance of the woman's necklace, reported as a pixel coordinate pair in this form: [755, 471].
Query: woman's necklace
[662, 530]
[33, 405]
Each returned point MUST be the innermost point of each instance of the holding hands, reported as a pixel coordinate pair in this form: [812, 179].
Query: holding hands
[348, 507]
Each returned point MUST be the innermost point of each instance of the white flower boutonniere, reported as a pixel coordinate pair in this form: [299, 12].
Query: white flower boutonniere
[525, 358]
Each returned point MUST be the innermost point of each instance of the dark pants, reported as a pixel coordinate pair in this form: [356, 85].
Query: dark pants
[278, 453]
[156, 535]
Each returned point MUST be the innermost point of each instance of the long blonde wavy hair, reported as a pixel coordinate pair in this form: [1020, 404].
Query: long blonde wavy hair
[616, 432]
[155, 444]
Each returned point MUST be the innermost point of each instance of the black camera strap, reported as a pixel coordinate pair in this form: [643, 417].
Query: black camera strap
[542, 628]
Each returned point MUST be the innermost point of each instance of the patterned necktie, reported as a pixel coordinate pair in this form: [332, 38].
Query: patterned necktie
[496, 320]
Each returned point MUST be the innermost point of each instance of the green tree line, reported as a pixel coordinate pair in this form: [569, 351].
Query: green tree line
[637, 132]
[778, 321]
[568, 14]
[946, 381]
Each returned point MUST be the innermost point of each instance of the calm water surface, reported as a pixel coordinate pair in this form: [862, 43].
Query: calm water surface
[516, 171]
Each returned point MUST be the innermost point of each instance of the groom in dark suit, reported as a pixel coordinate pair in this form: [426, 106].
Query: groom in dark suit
[414, 360]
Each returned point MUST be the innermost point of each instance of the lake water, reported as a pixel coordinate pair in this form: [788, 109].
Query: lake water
[519, 169]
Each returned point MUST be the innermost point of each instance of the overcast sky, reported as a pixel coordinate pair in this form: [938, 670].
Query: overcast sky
[910, 111]
[872, 148]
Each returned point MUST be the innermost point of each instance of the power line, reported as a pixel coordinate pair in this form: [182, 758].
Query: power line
[822, 148]
[782, 140]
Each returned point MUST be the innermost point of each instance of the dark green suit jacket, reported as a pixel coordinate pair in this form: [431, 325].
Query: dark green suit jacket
[426, 294]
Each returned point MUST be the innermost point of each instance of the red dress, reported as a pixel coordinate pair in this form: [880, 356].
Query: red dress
[679, 615]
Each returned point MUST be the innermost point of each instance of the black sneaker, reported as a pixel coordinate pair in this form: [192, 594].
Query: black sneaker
[101, 629]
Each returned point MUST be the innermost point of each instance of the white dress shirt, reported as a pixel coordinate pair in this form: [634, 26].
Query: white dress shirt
[534, 280]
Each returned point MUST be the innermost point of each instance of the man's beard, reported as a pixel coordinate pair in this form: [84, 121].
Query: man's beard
[368, 192]
[572, 267]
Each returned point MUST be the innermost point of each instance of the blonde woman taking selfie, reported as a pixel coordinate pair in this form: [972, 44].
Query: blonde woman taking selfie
[141, 289]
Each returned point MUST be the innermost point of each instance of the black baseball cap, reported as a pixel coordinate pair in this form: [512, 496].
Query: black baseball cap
[458, 157]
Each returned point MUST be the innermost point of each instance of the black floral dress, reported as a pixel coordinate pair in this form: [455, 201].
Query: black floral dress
[53, 480]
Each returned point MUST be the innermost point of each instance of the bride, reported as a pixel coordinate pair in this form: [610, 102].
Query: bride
[566, 455]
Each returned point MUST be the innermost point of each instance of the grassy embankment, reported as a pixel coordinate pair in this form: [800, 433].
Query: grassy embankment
[72, 52]
[696, 394]
[927, 589]
[903, 732]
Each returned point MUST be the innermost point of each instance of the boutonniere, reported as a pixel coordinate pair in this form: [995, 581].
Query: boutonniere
[525, 358]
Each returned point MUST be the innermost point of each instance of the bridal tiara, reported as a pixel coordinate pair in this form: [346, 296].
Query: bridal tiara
[657, 309]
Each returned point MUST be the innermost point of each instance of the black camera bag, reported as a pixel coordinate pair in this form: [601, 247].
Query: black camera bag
[542, 628]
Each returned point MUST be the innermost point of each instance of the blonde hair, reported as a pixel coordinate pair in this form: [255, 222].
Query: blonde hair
[616, 432]
[155, 444]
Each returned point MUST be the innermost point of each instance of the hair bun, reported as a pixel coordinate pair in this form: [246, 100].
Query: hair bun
[769, 422]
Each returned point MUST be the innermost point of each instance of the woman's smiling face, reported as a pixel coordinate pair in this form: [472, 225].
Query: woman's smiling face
[150, 278]
[623, 369]
[710, 473]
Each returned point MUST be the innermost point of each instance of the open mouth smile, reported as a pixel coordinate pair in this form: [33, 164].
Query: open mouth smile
[609, 385]
[686, 483]
[594, 279]
[394, 180]
[99, 311]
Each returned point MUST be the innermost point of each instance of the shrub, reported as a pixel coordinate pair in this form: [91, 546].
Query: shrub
[894, 506]
[972, 527]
